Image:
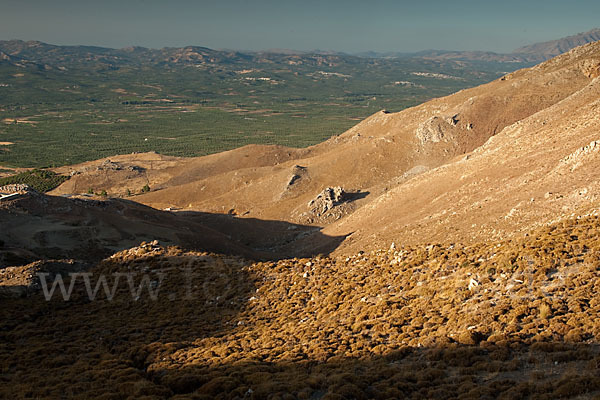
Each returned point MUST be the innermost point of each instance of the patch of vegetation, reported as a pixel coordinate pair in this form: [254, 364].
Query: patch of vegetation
[353, 326]
[38, 179]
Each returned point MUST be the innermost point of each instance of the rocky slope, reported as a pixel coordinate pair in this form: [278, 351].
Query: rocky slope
[538, 170]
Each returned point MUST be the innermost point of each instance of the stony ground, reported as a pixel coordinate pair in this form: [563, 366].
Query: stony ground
[512, 319]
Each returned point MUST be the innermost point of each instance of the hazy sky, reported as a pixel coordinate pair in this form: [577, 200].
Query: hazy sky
[349, 25]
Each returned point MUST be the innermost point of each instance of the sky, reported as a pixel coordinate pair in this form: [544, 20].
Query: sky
[349, 26]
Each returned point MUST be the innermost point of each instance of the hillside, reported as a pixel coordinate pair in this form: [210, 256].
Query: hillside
[513, 319]
[428, 158]
[540, 169]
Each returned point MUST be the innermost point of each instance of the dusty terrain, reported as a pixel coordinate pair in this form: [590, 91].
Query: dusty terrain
[454, 250]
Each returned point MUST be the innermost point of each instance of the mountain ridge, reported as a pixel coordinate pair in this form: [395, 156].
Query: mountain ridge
[536, 52]
[553, 48]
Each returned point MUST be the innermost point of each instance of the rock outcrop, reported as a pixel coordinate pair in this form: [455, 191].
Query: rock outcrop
[326, 200]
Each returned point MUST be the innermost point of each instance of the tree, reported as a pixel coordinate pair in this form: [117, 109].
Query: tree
[146, 188]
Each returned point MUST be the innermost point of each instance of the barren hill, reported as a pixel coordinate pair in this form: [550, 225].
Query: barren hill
[528, 120]
[540, 169]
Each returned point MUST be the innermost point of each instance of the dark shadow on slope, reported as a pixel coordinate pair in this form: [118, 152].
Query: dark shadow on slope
[37, 226]
[353, 196]
[64, 346]
[269, 240]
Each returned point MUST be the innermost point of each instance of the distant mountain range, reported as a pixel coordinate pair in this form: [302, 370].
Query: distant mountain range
[555, 47]
[533, 53]
[47, 55]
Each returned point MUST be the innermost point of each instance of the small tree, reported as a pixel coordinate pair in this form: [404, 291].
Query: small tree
[146, 188]
[103, 193]
[128, 192]
[90, 191]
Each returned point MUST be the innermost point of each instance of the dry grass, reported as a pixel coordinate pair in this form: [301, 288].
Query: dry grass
[398, 323]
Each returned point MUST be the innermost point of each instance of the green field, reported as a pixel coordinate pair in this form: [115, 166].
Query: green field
[68, 112]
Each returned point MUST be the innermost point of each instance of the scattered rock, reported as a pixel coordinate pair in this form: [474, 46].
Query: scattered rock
[591, 68]
[108, 165]
[414, 171]
[473, 283]
[20, 188]
[453, 120]
[578, 157]
[299, 175]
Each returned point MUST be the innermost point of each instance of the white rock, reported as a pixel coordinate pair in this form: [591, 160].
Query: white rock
[473, 284]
